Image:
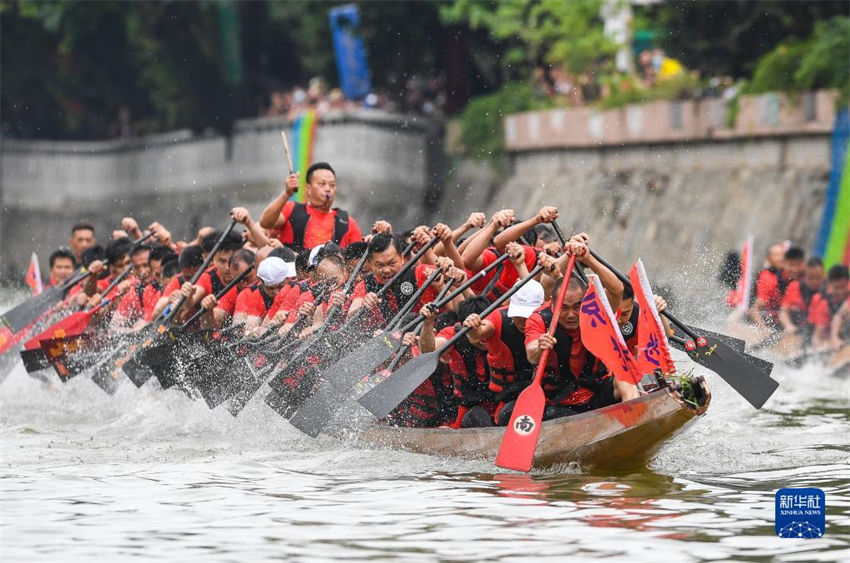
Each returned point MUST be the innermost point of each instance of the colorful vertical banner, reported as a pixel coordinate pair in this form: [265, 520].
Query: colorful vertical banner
[33, 277]
[303, 139]
[745, 283]
[653, 346]
[601, 335]
[354, 77]
[832, 241]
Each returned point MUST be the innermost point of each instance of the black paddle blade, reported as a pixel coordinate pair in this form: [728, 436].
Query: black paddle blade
[735, 343]
[19, 317]
[34, 360]
[138, 367]
[246, 384]
[219, 384]
[762, 365]
[386, 396]
[750, 382]
[338, 380]
[108, 377]
[280, 405]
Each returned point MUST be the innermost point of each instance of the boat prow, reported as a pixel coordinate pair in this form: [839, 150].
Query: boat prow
[621, 435]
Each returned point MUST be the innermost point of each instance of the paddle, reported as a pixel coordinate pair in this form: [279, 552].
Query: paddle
[520, 440]
[317, 411]
[160, 358]
[386, 396]
[312, 416]
[34, 357]
[343, 336]
[108, 372]
[749, 381]
[242, 390]
[21, 316]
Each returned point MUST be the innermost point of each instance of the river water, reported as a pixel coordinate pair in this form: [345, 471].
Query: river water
[150, 475]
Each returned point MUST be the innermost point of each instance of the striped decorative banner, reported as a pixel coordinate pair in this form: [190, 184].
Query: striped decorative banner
[832, 242]
[303, 139]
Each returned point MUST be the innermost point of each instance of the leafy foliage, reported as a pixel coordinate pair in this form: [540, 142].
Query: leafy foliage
[482, 134]
[820, 61]
[539, 32]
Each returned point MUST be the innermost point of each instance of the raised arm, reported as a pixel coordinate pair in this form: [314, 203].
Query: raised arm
[271, 217]
[472, 259]
[547, 214]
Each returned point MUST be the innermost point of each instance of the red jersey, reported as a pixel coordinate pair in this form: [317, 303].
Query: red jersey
[253, 301]
[822, 308]
[227, 303]
[211, 281]
[569, 355]
[139, 302]
[398, 295]
[173, 285]
[771, 285]
[506, 352]
[318, 228]
[509, 275]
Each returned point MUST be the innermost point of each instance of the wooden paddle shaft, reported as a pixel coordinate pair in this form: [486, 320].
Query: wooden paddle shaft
[287, 153]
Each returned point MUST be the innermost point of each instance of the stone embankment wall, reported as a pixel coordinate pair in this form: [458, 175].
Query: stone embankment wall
[665, 181]
[387, 166]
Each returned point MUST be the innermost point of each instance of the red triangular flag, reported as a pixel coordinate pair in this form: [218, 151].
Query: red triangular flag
[653, 346]
[601, 335]
[33, 278]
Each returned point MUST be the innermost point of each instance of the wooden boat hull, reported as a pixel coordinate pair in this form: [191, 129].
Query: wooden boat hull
[620, 435]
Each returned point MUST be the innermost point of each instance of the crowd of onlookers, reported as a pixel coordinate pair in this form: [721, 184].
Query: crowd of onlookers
[420, 95]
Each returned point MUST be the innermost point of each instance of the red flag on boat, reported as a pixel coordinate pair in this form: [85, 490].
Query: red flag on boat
[72, 325]
[33, 278]
[739, 298]
[601, 335]
[653, 346]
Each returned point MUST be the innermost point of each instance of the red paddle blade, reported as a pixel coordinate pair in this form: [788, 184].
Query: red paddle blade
[520, 440]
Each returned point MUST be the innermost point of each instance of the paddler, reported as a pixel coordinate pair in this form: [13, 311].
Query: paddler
[794, 311]
[826, 305]
[317, 221]
[575, 381]
[221, 311]
[772, 283]
[256, 301]
[385, 261]
[62, 265]
[502, 335]
[82, 238]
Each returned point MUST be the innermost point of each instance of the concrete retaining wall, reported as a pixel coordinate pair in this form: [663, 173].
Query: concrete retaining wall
[385, 164]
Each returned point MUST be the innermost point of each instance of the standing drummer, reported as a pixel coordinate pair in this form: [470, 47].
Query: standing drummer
[307, 225]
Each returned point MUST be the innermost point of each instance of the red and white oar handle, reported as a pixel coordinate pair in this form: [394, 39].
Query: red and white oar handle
[556, 312]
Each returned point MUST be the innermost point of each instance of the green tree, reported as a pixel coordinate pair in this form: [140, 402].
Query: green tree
[540, 32]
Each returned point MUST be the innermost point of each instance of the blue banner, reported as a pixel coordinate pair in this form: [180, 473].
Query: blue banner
[354, 77]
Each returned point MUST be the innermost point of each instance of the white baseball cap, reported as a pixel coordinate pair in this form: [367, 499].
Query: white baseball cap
[526, 300]
[274, 270]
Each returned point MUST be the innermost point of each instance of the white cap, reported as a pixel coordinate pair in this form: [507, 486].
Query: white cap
[274, 270]
[313, 260]
[526, 300]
